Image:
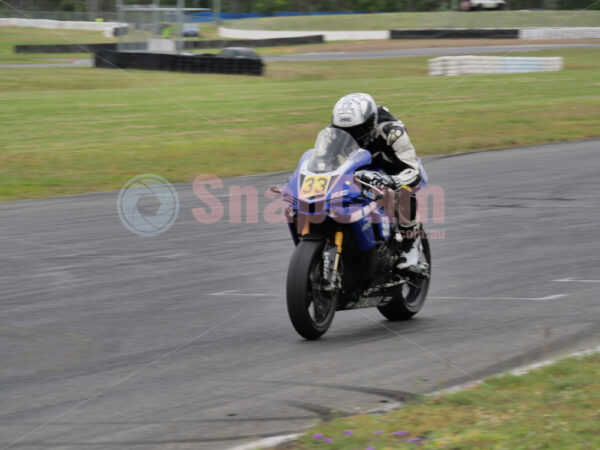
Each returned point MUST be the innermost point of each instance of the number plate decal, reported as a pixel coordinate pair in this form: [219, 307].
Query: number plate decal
[314, 186]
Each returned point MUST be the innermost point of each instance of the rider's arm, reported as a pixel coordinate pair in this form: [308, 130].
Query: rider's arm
[395, 135]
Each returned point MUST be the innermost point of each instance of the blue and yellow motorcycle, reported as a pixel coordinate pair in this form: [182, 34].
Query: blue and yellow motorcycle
[347, 251]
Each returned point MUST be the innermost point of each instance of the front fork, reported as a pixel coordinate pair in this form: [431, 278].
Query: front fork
[331, 264]
[331, 260]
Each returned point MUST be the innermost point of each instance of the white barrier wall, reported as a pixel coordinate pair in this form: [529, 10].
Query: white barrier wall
[463, 65]
[524, 33]
[560, 33]
[106, 27]
[327, 35]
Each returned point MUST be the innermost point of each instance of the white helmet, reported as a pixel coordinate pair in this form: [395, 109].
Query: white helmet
[357, 114]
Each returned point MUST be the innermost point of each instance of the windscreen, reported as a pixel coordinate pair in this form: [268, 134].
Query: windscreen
[332, 148]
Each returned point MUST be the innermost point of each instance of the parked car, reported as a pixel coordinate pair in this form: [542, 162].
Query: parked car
[190, 30]
[240, 53]
[233, 52]
[479, 5]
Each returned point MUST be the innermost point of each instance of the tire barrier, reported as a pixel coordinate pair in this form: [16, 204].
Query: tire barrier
[188, 45]
[456, 33]
[178, 63]
[274, 42]
[463, 65]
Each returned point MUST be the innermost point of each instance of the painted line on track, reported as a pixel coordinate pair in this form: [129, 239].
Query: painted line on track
[533, 299]
[238, 293]
[573, 280]
[268, 442]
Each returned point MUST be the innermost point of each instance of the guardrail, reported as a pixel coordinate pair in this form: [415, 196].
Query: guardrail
[464, 65]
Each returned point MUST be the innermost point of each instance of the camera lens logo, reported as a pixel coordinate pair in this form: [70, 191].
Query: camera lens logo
[148, 205]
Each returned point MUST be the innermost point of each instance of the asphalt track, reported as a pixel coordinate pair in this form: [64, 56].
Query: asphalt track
[182, 341]
[373, 54]
[440, 51]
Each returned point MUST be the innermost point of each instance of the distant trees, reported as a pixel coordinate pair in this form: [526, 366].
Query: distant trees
[270, 6]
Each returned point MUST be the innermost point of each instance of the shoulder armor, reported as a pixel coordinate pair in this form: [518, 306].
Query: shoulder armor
[393, 131]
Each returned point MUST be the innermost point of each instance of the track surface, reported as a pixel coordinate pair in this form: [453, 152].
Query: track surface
[372, 54]
[439, 51]
[110, 340]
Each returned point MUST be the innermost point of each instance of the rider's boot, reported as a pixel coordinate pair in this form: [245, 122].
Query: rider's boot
[410, 247]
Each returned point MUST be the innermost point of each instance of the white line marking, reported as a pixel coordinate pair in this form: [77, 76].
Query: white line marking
[538, 299]
[234, 292]
[268, 442]
[238, 293]
[578, 281]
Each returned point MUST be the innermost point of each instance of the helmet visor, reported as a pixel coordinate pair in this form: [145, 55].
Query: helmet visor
[363, 133]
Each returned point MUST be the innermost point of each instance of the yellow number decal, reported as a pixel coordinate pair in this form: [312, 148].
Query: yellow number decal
[314, 185]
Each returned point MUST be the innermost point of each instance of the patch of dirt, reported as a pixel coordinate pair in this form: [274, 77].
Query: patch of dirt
[392, 44]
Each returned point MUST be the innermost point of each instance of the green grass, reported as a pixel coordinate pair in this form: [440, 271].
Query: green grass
[74, 130]
[11, 36]
[449, 19]
[557, 407]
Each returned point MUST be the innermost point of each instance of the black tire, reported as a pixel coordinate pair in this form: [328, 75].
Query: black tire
[408, 301]
[301, 292]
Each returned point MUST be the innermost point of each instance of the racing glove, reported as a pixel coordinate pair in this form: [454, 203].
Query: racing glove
[407, 179]
[376, 179]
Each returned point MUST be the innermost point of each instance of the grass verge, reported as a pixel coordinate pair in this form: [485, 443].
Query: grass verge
[554, 407]
[11, 36]
[75, 130]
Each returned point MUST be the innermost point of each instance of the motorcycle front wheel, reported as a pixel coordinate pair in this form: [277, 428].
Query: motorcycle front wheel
[311, 309]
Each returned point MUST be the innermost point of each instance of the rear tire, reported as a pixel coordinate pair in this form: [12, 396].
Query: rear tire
[408, 301]
[304, 293]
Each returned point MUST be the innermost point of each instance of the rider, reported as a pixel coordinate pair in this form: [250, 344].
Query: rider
[378, 131]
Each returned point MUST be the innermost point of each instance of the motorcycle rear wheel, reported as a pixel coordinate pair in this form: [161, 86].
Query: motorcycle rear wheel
[311, 309]
[409, 299]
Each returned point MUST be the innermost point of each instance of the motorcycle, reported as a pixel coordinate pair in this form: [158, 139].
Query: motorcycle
[345, 256]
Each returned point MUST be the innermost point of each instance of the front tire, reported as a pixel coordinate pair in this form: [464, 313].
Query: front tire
[409, 299]
[311, 309]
